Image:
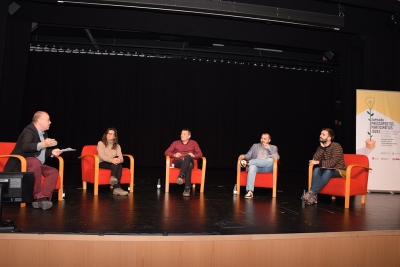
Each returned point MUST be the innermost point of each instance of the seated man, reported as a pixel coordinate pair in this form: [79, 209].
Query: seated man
[32, 144]
[330, 160]
[183, 152]
[261, 156]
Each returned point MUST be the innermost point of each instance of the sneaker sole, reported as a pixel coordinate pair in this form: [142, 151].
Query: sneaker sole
[36, 205]
[120, 194]
[179, 181]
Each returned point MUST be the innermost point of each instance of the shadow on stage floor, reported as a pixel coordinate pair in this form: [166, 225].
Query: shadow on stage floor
[215, 212]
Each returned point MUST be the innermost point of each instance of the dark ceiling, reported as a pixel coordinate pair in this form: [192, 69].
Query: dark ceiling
[144, 31]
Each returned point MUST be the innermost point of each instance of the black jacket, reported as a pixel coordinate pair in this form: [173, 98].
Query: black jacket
[27, 147]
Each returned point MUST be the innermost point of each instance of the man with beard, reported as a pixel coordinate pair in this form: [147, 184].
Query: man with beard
[261, 158]
[329, 157]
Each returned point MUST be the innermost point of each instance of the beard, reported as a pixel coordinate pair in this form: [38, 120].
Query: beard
[323, 140]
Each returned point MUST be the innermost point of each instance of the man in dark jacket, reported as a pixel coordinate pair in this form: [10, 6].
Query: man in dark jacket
[32, 144]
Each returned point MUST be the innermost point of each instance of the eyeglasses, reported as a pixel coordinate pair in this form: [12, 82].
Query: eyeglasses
[111, 133]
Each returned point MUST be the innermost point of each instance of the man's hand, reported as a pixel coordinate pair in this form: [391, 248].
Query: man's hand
[56, 152]
[314, 162]
[177, 155]
[241, 157]
[191, 154]
[48, 142]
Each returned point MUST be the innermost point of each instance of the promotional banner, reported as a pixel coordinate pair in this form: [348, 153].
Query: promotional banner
[378, 137]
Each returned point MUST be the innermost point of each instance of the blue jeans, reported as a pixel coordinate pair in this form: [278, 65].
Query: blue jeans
[257, 165]
[321, 177]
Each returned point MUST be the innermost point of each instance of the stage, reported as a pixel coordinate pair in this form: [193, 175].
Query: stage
[151, 215]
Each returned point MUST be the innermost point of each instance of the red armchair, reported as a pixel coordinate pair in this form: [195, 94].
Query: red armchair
[355, 183]
[5, 152]
[91, 173]
[266, 180]
[198, 175]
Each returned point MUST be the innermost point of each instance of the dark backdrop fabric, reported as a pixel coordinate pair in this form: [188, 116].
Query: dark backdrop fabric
[149, 100]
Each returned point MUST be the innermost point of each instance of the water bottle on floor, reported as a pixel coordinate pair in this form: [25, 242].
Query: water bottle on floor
[158, 184]
[235, 190]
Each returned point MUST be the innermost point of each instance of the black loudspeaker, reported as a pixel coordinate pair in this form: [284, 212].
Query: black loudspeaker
[329, 55]
[13, 7]
[356, 41]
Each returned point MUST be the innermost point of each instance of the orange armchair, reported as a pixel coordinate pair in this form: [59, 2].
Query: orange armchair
[198, 175]
[5, 152]
[355, 183]
[91, 173]
[266, 180]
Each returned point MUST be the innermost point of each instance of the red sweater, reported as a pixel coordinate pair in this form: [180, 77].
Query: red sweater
[184, 149]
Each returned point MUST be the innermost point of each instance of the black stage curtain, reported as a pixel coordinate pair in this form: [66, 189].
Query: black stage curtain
[149, 100]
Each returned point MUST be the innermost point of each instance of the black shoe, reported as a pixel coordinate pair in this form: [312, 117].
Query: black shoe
[181, 179]
[42, 203]
[186, 192]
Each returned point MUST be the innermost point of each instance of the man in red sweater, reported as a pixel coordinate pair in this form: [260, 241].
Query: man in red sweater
[183, 152]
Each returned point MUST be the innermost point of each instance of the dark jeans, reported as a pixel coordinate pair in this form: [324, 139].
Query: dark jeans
[50, 175]
[116, 171]
[321, 177]
[186, 166]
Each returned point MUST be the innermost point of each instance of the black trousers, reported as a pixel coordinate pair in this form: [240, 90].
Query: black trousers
[116, 171]
[186, 166]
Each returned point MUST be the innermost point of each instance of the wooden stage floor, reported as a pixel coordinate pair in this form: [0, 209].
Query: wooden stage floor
[149, 211]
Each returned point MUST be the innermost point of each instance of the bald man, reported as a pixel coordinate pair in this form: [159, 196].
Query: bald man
[33, 144]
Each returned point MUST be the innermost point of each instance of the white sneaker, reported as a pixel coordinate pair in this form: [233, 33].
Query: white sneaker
[119, 192]
[249, 194]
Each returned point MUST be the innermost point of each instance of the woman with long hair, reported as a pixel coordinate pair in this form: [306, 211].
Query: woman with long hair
[110, 157]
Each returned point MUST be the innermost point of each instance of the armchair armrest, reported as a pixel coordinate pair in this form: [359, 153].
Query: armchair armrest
[348, 177]
[350, 167]
[96, 172]
[203, 173]
[131, 168]
[61, 175]
[21, 158]
[310, 170]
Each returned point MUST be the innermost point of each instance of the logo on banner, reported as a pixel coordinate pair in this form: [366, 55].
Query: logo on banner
[395, 159]
[385, 153]
[373, 158]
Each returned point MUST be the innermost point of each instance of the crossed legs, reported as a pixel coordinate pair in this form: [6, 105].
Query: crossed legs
[257, 165]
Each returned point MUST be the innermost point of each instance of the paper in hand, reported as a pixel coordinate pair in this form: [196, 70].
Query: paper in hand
[66, 150]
